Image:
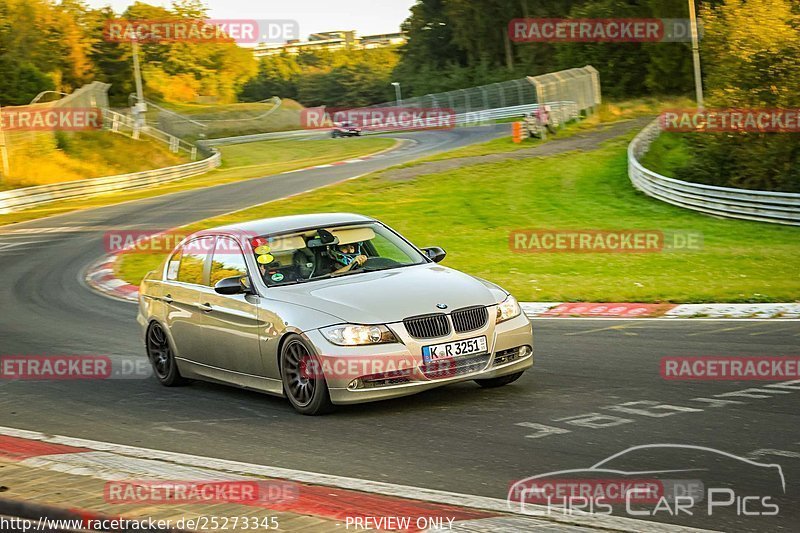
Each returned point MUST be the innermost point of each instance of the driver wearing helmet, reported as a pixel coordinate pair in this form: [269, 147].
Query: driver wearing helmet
[347, 255]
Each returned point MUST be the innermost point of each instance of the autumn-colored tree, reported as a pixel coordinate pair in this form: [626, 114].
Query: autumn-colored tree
[751, 59]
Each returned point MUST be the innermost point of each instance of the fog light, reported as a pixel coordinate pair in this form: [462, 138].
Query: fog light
[353, 385]
[525, 351]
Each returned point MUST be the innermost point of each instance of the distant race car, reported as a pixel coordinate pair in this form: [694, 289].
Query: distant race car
[345, 129]
[326, 309]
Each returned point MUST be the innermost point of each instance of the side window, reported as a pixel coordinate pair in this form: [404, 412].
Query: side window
[173, 265]
[193, 260]
[228, 260]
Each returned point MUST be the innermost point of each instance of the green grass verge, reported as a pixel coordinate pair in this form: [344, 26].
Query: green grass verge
[668, 153]
[69, 156]
[606, 114]
[240, 161]
[470, 212]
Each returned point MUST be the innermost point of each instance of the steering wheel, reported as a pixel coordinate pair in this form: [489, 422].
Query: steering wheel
[376, 262]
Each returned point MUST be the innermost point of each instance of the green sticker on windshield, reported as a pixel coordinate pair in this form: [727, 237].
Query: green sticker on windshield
[265, 259]
[277, 276]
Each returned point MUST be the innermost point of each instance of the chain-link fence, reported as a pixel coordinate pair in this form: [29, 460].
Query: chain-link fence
[496, 95]
[16, 143]
[22, 148]
[569, 93]
[210, 122]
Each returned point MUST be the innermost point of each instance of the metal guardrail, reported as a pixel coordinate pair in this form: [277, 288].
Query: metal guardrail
[560, 113]
[293, 134]
[119, 123]
[17, 199]
[762, 206]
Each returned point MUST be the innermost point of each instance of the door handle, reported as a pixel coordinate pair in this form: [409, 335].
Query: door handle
[206, 307]
[167, 299]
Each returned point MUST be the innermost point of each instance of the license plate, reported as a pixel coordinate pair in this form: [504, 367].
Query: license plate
[449, 350]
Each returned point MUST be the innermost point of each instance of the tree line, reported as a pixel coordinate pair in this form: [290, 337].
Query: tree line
[750, 51]
[60, 46]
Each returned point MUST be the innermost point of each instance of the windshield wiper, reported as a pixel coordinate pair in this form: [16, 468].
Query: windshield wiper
[346, 273]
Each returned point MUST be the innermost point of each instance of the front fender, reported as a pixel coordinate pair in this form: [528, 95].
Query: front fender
[279, 319]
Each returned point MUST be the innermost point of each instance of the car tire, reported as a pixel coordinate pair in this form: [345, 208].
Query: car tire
[492, 383]
[162, 357]
[308, 395]
[334, 134]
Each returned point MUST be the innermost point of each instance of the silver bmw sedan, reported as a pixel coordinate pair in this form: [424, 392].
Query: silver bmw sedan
[326, 309]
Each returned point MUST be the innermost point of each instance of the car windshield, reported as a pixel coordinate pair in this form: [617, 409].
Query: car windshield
[328, 252]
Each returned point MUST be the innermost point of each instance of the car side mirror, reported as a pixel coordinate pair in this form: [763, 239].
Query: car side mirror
[233, 285]
[435, 253]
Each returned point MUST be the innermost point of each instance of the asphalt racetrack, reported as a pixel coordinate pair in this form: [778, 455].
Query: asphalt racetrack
[594, 391]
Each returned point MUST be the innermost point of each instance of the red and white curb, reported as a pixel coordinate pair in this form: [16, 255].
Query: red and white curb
[674, 311]
[101, 277]
[319, 495]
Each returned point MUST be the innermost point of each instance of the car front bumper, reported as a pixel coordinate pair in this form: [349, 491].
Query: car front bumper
[510, 350]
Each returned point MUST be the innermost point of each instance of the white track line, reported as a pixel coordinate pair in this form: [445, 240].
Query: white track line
[363, 485]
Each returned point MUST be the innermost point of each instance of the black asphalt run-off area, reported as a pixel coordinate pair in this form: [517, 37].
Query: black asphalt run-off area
[571, 411]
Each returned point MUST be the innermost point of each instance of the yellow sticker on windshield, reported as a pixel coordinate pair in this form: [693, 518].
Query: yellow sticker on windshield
[261, 250]
[265, 259]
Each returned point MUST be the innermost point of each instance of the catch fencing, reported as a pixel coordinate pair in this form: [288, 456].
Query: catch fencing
[569, 94]
[19, 142]
[208, 122]
[40, 143]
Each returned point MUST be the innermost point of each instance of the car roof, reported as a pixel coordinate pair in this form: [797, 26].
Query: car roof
[268, 226]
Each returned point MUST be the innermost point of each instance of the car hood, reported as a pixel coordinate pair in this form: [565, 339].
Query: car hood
[391, 295]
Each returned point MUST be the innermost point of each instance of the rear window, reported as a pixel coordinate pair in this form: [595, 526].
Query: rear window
[193, 260]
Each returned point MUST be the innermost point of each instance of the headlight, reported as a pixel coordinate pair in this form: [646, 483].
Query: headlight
[355, 335]
[508, 309]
